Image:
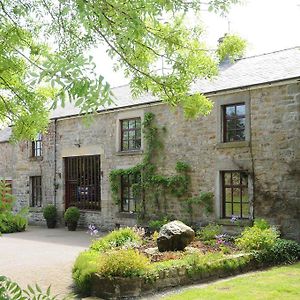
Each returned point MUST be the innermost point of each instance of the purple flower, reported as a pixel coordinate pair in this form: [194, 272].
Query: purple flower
[234, 218]
[92, 230]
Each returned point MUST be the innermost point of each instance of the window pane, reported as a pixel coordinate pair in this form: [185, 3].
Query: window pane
[236, 178]
[239, 135]
[132, 205]
[125, 180]
[240, 110]
[138, 123]
[246, 210]
[131, 134]
[244, 177]
[125, 204]
[231, 124]
[227, 177]
[240, 123]
[137, 144]
[236, 195]
[228, 195]
[230, 110]
[138, 134]
[245, 197]
[237, 209]
[131, 124]
[228, 211]
[230, 136]
[125, 124]
[131, 144]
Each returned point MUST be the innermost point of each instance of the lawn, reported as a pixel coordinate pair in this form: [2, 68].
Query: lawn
[276, 283]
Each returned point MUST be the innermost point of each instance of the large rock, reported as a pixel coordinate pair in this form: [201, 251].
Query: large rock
[174, 236]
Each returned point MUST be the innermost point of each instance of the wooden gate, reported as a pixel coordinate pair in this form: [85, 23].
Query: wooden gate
[82, 182]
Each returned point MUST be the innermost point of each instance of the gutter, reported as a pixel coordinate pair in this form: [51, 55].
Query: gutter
[253, 86]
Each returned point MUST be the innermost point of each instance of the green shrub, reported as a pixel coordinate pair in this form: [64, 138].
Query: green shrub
[72, 215]
[50, 212]
[155, 225]
[84, 266]
[283, 251]
[209, 232]
[257, 238]
[6, 198]
[262, 224]
[10, 222]
[118, 238]
[123, 263]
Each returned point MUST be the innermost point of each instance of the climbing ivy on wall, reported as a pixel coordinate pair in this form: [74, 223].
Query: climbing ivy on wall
[152, 183]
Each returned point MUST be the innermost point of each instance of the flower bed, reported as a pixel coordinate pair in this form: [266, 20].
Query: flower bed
[159, 279]
[126, 264]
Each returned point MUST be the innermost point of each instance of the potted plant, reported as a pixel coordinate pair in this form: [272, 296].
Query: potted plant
[71, 217]
[50, 214]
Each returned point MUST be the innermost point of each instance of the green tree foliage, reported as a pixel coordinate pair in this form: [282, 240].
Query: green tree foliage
[232, 47]
[43, 61]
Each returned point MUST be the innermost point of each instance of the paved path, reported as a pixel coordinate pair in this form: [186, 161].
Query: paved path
[43, 256]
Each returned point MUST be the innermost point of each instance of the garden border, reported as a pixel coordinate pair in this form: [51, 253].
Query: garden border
[124, 288]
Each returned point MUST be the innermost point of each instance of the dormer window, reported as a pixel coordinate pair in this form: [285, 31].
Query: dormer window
[37, 146]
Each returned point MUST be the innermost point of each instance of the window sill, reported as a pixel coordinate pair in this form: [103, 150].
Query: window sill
[86, 211]
[240, 144]
[35, 209]
[132, 152]
[126, 215]
[242, 222]
[36, 158]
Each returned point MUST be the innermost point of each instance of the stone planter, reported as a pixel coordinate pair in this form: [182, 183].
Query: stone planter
[116, 287]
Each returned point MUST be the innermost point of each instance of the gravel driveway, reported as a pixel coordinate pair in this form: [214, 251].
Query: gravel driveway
[43, 256]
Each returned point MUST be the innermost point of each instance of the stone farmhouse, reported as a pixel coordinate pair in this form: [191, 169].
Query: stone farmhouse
[246, 151]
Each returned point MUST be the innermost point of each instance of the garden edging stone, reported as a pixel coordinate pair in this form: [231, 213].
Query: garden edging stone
[122, 288]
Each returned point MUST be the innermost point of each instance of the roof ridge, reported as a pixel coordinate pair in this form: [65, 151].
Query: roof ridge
[267, 53]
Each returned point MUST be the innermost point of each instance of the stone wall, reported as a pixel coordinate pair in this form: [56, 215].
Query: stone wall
[270, 154]
[6, 160]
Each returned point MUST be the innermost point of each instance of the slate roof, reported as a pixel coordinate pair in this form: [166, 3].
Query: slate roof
[122, 96]
[254, 70]
[249, 71]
